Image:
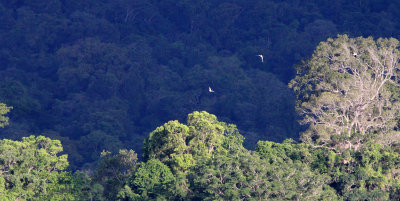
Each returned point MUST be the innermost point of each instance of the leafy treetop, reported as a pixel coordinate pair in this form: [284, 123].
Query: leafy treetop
[349, 86]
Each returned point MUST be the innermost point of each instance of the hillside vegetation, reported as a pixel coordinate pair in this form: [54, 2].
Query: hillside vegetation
[102, 74]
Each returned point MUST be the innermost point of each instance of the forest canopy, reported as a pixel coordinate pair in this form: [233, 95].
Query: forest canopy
[101, 74]
[116, 94]
[203, 159]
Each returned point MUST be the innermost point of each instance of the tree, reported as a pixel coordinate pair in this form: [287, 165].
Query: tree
[4, 110]
[349, 86]
[291, 171]
[168, 144]
[31, 169]
[236, 175]
[181, 147]
[370, 173]
[114, 171]
[268, 174]
[206, 133]
[151, 180]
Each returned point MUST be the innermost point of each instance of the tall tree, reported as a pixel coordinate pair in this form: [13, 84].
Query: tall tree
[31, 169]
[348, 86]
[181, 147]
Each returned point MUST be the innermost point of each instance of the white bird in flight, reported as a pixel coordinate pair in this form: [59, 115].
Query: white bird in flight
[261, 56]
[355, 54]
[210, 90]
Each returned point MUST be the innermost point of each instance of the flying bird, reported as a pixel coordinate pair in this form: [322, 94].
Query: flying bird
[355, 54]
[210, 90]
[261, 56]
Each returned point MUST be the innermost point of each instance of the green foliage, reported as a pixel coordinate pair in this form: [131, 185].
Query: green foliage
[206, 134]
[370, 173]
[275, 152]
[152, 180]
[4, 110]
[294, 173]
[113, 172]
[234, 176]
[32, 169]
[348, 94]
[220, 168]
[99, 74]
[67, 64]
[86, 188]
[367, 174]
[168, 144]
[180, 146]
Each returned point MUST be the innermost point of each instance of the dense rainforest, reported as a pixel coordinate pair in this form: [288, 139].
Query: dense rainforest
[88, 90]
[100, 75]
